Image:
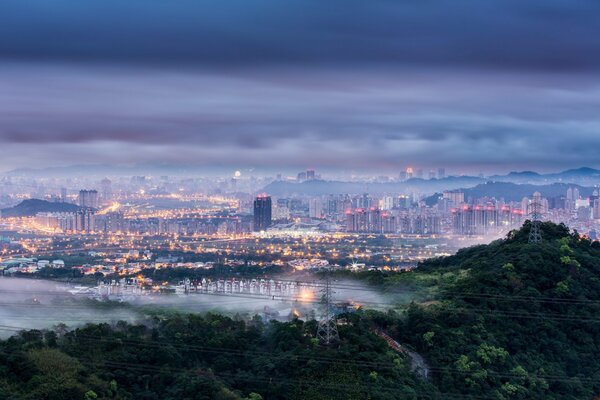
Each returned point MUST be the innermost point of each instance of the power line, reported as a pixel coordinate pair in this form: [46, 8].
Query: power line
[233, 352]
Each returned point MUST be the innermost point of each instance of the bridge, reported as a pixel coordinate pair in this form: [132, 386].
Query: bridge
[259, 288]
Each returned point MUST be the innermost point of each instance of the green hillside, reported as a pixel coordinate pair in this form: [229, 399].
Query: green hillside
[513, 320]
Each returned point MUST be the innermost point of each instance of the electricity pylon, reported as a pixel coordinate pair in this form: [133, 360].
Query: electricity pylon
[535, 233]
[327, 331]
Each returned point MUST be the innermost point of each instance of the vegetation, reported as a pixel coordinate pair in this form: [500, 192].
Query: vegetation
[512, 320]
[204, 357]
[508, 320]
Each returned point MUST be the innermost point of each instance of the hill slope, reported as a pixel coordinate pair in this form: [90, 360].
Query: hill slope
[30, 207]
[513, 320]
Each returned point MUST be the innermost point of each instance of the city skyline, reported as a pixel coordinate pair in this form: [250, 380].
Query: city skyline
[273, 86]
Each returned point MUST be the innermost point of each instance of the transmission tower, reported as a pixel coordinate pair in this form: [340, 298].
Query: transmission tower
[535, 234]
[327, 331]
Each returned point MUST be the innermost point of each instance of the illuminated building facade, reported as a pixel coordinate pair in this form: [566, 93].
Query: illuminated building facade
[262, 213]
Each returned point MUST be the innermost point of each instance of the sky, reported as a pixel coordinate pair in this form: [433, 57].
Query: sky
[490, 86]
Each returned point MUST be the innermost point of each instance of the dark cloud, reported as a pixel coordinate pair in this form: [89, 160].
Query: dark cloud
[534, 34]
[353, 119]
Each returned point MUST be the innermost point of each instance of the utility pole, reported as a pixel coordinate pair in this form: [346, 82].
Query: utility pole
[327, 331]
[535, 234]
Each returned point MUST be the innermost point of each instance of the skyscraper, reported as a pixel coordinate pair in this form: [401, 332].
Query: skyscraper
[315, 208]
[88, 198]
[63, 195]
[106, 186]
[84, 221]
[596, 209]
[262, 212]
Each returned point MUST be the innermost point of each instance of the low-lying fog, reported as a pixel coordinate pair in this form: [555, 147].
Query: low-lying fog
[40, 304]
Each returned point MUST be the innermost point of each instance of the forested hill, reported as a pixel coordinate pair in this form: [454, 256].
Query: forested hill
[513, 320]
[30, 207]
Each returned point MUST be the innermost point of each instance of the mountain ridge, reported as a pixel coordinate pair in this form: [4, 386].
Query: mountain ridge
[30, 207]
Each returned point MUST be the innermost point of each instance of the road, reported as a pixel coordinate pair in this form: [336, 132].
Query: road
[417, 362]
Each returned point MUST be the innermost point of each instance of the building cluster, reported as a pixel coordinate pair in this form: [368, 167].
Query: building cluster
[350, 213]
[107, 208]
[87, 221]
[371, 220]
[485, 219]
[411, 173]
[451, 213]
[79, 221]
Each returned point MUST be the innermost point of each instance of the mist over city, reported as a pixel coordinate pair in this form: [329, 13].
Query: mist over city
[256, 200]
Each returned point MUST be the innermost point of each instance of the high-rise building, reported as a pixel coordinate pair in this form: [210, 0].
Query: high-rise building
[596, 209]
[84, 221]
[456, 197]
[402, 201]
[365, 201]
[110, 222]
[88, 198]
[592, 200]
[572, 197]
[63, 195]
[262, 212]
[310, 175]
[483, 219]
[106, 187]
[387, 203]
[372, 220]
[315, 208]
[441, 173]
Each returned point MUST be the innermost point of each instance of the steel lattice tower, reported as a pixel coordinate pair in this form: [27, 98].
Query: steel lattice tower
[535, 234]
[327, 331]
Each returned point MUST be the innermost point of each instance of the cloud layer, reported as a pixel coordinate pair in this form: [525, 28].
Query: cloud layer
[340, 84]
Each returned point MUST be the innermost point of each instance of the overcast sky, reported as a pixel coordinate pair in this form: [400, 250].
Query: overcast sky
[471, 86]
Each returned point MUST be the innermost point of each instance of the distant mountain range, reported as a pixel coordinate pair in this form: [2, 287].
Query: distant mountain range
[515, 192]
[579, 175]
[30, 207]
[584, 178]
[322, 187]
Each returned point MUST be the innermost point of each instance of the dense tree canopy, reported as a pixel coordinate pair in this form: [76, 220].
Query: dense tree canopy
[512, 320]
[204, 357]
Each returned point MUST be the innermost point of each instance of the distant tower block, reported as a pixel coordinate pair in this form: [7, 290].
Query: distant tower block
[535, 234]
[262, 212]
[106, 186]
[327, 331]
